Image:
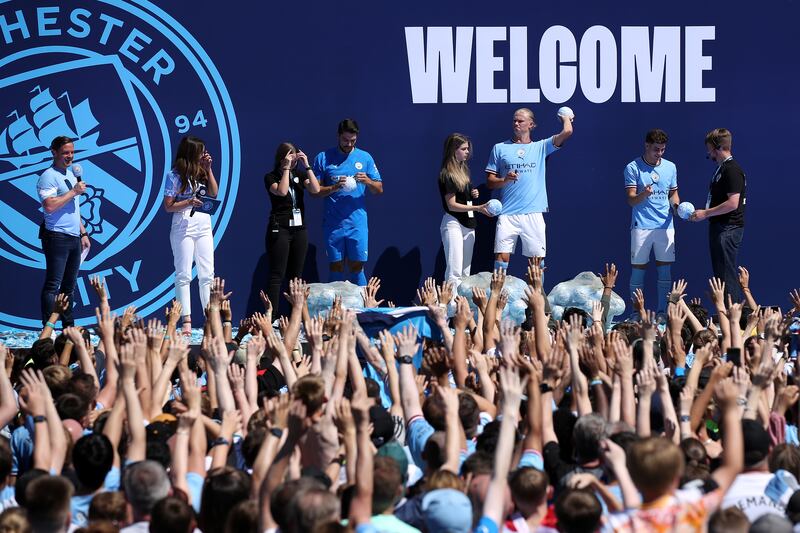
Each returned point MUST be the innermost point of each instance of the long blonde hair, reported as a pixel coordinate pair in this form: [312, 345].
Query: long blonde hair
[452, 169]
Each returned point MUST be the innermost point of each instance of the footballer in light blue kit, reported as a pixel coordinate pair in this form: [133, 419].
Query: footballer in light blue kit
[517, 168]
[651, 186]
[345, 218]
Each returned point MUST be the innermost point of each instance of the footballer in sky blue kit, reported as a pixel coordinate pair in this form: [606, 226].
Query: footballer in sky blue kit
[517, 168]
[651, 185]
[345, 174]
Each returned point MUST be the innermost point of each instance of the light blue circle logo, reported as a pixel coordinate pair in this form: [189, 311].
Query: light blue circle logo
[126, 81]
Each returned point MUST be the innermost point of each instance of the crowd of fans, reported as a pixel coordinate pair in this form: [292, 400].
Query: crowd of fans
[566, 425]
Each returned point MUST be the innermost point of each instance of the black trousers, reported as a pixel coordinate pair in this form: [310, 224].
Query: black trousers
[286, 250]
[724, 241]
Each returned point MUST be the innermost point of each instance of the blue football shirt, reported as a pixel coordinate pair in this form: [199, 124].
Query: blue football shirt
[67, 219]
[654, 212]
[529, 193]
[344, 208]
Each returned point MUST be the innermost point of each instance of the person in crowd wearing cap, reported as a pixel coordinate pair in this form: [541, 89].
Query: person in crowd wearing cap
[190, 233]
[757, 491]
[724, 211]
[651, 186]
[64, 238]
[346, 173]
[517, 168]
[287, 237]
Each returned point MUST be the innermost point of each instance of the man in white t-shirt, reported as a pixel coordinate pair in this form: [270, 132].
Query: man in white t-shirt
[757, 491]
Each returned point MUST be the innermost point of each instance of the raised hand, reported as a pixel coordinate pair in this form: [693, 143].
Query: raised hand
[463, 314]
[314, 333]
[498, 280]
[513, 387]
[509, 339]
[426, 295]
[638, 301]
[436, 360]
[155, 333]
[794, 296]
[744, 278]
[574, 330]
[218, 294]
[61, 303]
[646, 382]
[278, 411]
[173, 313]
[597, 312]
[267, 303]
[717, 287]
[297, 292]
[225, 311]
[99, 286]
[406, 341]
[236, 377]
[678, 291]
[502, 300]
[479, 298]
[369, 293]
[609, 277]
[128, 317]
[445, 292]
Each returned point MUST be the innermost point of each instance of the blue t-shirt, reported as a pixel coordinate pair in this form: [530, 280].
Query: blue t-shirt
[66, 219]
[79, 506]
[172, 187]
[344, 208]
[654, 212]
[529, 193]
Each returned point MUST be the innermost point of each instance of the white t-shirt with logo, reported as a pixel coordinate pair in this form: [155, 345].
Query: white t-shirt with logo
[760, 493]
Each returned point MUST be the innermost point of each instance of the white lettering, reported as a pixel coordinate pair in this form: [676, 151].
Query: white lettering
[424, 65]
[650, 71]
[518, 54]
[598, 89]
[486, 64]
[697, 63]
[558, 82]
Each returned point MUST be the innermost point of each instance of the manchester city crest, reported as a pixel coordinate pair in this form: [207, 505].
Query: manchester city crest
[126, 82]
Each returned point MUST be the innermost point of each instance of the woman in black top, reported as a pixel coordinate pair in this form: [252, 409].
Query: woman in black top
[458, 223]
[287, 238]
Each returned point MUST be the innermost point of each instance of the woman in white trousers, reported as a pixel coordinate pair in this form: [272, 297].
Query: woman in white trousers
[458, 223]
[190, 234]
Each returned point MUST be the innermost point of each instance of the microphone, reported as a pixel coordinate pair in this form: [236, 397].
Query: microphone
[77, 171]
[201, 191]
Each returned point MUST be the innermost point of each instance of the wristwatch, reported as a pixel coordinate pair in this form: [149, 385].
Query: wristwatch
[545, 387]
[405, 359]
[278, 432]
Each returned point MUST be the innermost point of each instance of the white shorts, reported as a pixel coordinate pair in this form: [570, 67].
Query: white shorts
[529, 227]
[661, 241]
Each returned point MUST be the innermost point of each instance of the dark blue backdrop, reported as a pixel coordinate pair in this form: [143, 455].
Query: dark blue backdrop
[281, 71]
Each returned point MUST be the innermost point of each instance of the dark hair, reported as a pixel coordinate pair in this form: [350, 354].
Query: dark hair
[785, 457]
[280, 152]
[224, 488]
[60, 141]
[43, 352]
[434, 412]
[656, 136]
[479, 462]
[171, 515]
[252, 444]
[700, 312]
[284, 494]
[575, 311]
[310, 508]
[243, 518]
[92, 457]
[469, 413]
[387, 479]
[373, 389]
[50, 497]
[528, 486]
[186, 163]
[158, 451]
[348, 125]
[21, 486]
[730, 520]
[70, 405]
[578, 510]
[84, 386]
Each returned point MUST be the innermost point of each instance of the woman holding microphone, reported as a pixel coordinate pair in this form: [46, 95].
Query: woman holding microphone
[190, 234]
[458, 223]
[287, 238]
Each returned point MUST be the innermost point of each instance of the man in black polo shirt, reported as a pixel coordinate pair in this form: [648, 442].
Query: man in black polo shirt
[724, 211]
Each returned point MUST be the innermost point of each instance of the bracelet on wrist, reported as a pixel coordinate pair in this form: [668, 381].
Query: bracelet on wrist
[278, 432]
[685, 418]
[596, 381]
[50, 325]
[220, 441]
[39, 418]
